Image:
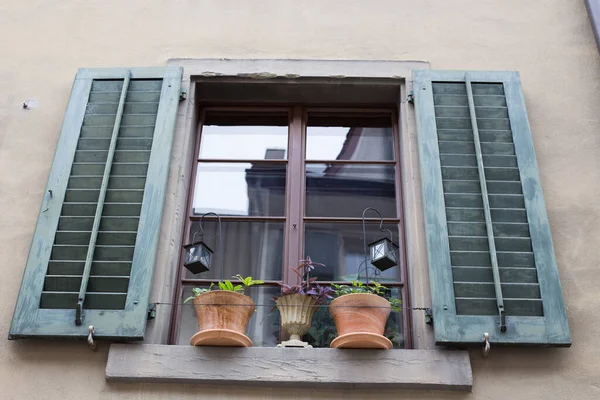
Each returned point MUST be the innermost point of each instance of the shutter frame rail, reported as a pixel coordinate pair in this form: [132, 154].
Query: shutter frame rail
[486, 206]
[29, 319]
[549, 329]
[100, 206]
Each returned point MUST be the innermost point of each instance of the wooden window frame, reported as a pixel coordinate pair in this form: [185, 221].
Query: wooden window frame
[398, 369]
[294, 218]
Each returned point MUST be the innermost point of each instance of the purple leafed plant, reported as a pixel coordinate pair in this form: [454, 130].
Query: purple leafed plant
[308, 286]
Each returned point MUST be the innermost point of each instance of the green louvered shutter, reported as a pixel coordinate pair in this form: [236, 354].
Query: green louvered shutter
[491, 260]
[92, 256]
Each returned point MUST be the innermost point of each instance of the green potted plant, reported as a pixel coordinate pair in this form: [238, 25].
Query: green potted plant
[360, 312]
[223, 314]
[297, 303]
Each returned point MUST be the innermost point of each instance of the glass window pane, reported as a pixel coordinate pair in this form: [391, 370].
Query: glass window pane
[342, 190]
[244, 136]
[249, 249]
[340, 247]
[323, 331]
[263, 328]
[350, 137]
[240, 189]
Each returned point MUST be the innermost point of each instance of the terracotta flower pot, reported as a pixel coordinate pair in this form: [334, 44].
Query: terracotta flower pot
[360, 320]
[222, 318]
[296, 312]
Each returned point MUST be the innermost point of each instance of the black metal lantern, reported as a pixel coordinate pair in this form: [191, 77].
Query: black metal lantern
[384, 254]
[197, 255]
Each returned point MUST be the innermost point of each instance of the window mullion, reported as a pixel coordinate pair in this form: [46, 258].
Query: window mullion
[295, 200]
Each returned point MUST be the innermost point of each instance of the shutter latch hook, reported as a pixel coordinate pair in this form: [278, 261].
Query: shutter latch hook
[90, 338]
[486, 347]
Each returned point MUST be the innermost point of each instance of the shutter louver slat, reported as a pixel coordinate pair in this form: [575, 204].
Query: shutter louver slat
[479, 306]
[71, 283]
[484, 274]
[112, 97]
[130, 107]
[131, 143]
[112, 195]
[93, 301]
[459, 115]
[126, 131]
[65, 267]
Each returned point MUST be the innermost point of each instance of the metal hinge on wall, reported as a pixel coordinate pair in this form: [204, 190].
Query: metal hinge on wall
[428, 316]
[182, 94]
[151, 311]
[410, 97]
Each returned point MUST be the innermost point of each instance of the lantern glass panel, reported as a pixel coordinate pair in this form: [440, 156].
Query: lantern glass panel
[383, 254]
[378, 250]
[205, 255]
[198, 257]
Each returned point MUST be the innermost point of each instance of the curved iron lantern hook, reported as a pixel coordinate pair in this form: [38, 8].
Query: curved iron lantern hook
[201, 232]
[365, 248]
[381, 228]
[361, 267]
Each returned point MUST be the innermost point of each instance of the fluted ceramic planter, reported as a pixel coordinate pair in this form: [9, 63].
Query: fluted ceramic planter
[360, 320]
[296, 312]
[222, 319]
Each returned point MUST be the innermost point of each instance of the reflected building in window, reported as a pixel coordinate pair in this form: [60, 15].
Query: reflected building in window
[340, 189]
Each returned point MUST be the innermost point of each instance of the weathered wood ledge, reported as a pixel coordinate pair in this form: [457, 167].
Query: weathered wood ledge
[333, 368]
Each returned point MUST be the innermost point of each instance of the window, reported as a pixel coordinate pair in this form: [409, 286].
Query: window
[288, 183]
[285, 190]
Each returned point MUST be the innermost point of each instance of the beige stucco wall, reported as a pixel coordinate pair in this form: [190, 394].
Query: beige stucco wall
[549, 41]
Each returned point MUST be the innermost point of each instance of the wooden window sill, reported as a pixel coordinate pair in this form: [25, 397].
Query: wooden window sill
[277, 367]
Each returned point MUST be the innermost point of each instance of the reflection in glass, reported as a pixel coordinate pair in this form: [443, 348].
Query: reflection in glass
[240, 189]
[323, 331]
[235, 136]
[340, 247]
[343, 190]
[249, 248]
[263, 328]
[349, 137]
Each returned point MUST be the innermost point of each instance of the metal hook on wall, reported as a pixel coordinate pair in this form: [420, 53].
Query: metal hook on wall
[90, 338]
[486, 347]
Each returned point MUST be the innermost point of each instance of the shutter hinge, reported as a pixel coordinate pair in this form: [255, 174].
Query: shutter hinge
[502, 320]
[151, 311]
[182, 94]
[428, 316]
[410, 97]
[78, 307]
